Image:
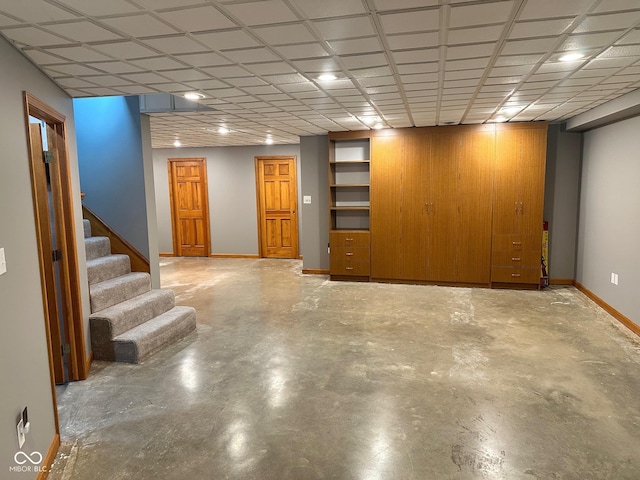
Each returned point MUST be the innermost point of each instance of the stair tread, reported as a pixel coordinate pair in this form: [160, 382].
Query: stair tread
[104, 268]
[155, 324]
[116, 290]
[147, 297]
[106, 259]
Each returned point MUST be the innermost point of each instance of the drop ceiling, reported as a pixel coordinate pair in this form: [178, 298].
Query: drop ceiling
[399, 63]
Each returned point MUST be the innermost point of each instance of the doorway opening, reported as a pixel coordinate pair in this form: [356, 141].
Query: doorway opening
[57, 252]
[277, 194]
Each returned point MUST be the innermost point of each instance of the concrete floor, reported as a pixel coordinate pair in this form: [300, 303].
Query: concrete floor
[291, 376]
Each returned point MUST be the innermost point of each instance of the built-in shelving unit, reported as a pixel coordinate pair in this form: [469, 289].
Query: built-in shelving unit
[349, 177]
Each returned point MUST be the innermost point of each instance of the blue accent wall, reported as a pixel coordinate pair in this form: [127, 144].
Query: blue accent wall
[111, 164]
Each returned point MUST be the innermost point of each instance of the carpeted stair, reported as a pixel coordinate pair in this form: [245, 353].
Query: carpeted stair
[129, 321]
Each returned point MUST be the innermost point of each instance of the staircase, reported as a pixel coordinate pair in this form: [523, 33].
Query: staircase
[129, 321]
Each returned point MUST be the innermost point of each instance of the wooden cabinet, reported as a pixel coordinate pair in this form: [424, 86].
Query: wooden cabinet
[518, 204]
[445, 205]
[349, 255]
[431, 204]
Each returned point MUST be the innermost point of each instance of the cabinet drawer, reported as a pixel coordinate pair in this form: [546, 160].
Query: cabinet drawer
[354, 254]
[349, 238]
[515, 243]
[348, 267]
[515, 275]
[516, 259]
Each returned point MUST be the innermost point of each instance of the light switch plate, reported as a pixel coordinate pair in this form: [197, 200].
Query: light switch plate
[20, 429]
[3, 262]
[306, 199]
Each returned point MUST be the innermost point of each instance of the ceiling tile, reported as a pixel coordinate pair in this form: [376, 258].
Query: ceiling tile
[269, 68]
[245, 81]
[412, 40]
[543, 28]
[359, 45]
[303, 50]
[505, 60]
[8, 21]
[485, 13]
[78, 54]
[538, 45]
[36, 11]
[410, 22]
[251, 55]
[100, 7]
[329, 8]
[553, 8]
[33, 36]
[175, 44]
[285, 34]
[72, 69]
[139, 25]
[124, 50]
[227, 71]
[162, 4]
[114, 67]
[383, 5]
[106, 80]
[416, 56]
[317, 65]
[418, 68]
[588, 40]
[474, 35]
[226, 40]
[345, 28]
[145, 77]
[157, 63]
[205, 84]
[262, 12]
[470, 51]
[44, 58]
[197, 19]
[613, 5]
[614, 21]
[206, 59]
[184, 75]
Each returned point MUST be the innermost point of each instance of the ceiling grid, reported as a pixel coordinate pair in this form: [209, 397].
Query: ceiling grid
[397, 63]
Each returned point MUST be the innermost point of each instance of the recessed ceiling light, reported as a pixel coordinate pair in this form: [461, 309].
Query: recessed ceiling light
[269, 141]
[369, 119]
[378, 126]
[193, 96]
[571, 57]
[223, 130]
[500, 119]
[177, 143]
[327, 77]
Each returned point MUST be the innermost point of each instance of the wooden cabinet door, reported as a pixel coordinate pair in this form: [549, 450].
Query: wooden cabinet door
[475, 184]
[413, 210]
[531, 176]
[442, 208]
[507, 186]
[385, 224]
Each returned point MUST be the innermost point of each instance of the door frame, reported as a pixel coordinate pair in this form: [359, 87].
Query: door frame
[259, 201]
[78, 363]
[177, 251]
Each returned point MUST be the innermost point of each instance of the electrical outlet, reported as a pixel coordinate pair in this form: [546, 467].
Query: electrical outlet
[615, 279]
[306, 199]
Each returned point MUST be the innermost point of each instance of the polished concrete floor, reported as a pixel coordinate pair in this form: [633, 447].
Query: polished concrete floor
[290, 376]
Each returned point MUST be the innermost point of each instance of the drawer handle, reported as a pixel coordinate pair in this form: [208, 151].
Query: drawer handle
[348, 239]
[515, 259]
[515, 274]
[349, 254]
[348, 268]
[516, 243]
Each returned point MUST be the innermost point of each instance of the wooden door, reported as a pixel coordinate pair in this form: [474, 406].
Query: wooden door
[277, 195]
[475, 193]
[43, 192]
[189, 207]
[442, 208]
[413, 211]
[385, 224]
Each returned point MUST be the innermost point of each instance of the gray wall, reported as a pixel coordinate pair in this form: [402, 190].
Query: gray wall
[150, 197]
[315, 217]
[561, 200]
[232, 194]
[24, 364]
[610, 215]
